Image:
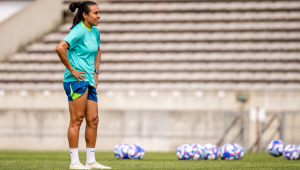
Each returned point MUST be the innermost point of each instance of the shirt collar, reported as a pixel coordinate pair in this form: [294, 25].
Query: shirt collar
[83, 26]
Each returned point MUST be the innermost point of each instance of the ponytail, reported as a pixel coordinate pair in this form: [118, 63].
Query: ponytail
[83, 7]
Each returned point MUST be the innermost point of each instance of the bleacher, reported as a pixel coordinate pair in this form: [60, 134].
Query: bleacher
[172, 72]
[218, 45]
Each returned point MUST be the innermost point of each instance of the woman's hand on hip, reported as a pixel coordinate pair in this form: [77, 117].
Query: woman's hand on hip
[78, 75]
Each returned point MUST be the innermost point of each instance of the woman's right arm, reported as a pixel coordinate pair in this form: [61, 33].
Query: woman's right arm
[61, 50]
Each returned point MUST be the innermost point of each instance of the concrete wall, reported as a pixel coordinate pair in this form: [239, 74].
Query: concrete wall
[154, 130]
[36, 19]
[9, 8]
[39, 119]
[142, 100]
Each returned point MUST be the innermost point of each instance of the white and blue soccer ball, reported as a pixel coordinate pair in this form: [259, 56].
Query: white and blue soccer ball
[185, 152]
[211, 151]
[239, 151]
[121, 151]
[276, 147]
[135, 151]
[198, 151]
[291, 152]
[180, 152]
[228, 152]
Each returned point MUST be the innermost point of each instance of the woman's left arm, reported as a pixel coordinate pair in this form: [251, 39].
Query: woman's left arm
[97, 66]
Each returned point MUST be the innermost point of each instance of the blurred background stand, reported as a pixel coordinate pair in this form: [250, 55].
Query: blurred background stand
[172, 72]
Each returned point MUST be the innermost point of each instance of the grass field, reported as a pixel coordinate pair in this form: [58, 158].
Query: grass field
[60, 160]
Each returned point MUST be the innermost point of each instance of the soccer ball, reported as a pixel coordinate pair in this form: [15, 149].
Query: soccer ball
[198, 151]
[135, 151]
[121, 151]
[211, 151]
[228, 152]
[196, 145]
[276, 147]
[239, 151]
[185, 152]
[180, 151]
[291, 152]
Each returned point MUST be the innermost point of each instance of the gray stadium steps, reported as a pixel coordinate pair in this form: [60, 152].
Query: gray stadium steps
[186, 37]
[197, 6]
[200, 17]
[147, 1]
[193, 27]
[158, 86]
[150, 45]
[162, 77]
[160, 67]
[168, 57]
[180, 47]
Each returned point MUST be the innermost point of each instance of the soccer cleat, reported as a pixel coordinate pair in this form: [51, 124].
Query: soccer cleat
[78, 165]
[96, 165]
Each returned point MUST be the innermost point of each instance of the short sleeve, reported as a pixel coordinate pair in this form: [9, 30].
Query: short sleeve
[73, 37]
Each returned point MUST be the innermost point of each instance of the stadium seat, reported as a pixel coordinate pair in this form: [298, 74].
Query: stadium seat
[197, 17]
[186, 37]
[211, 6]
[188, 44]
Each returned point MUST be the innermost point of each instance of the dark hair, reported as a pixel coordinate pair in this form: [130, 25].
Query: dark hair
[82, 7]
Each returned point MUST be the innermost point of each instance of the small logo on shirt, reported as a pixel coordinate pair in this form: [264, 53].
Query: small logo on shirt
[86, 42]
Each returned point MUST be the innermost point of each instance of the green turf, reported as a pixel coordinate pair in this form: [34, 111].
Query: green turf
[60, 160]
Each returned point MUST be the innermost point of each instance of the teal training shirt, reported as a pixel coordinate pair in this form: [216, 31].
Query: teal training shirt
[84, 43]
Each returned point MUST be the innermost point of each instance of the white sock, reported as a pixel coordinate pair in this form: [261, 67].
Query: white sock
[74, 155]
[90, 155]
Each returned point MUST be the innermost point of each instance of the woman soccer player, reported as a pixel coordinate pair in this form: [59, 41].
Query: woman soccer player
[80, 53]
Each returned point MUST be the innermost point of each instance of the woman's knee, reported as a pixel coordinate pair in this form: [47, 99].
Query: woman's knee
[93, 121]
[77, 120]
